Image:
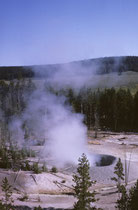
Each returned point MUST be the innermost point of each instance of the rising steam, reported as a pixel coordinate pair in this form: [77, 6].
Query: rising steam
[50, 118]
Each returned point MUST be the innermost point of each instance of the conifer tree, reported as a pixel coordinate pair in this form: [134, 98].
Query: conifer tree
[82, 184]
[118, 171]
[6, 203]
[122, 201]
[133, 197]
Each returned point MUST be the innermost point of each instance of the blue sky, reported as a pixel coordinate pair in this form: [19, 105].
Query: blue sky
[56, 31]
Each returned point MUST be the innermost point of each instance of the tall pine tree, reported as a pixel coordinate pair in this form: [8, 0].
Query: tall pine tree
[82, 184]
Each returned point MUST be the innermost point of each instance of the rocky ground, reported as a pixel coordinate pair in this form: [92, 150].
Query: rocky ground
[55, 189]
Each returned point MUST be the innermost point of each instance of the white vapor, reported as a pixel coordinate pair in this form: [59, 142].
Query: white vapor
[49, 118]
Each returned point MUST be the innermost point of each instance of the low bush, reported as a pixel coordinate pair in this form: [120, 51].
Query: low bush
[54, 169]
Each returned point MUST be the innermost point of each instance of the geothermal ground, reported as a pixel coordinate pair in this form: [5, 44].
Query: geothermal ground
[55, 189]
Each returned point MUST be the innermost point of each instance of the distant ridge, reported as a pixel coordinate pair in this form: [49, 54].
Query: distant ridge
[105, 65]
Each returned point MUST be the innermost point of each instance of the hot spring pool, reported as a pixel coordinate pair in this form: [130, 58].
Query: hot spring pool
[104, 160]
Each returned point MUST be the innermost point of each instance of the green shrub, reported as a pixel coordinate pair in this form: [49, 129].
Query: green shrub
[27, 166]
[38, 208]
[54, 169]
[36, 168]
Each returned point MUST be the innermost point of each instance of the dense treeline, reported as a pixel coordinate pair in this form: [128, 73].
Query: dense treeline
[117, 64]
[15, 72]
[13, 96]
[104, 66]
[109, 109]
[13, 100]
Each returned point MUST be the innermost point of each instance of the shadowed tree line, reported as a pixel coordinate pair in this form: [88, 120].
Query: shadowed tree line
[107, 109]
[13, 99]
[110, 109]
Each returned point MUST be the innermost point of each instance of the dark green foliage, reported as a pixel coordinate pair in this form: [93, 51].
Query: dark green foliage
[35, 168]
[7, 202]
[114, 110]
[135, 112]
[82, 184]
[15, 72]
[118, 171]
[122, 201]
[38, 208]
[107, 109]
[26, 166]
[7, 189]
[5, 158]
[124, 110]
[12, 157]
[54, 169]
[133, 197]
[23, 198]
[128, 201]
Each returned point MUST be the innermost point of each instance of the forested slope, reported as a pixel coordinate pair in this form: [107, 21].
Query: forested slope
[105, 66]
[107, 108]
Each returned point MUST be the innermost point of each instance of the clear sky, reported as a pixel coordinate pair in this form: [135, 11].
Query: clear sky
[56, 31]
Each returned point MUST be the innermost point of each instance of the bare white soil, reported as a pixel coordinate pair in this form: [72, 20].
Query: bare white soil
[53, 189]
